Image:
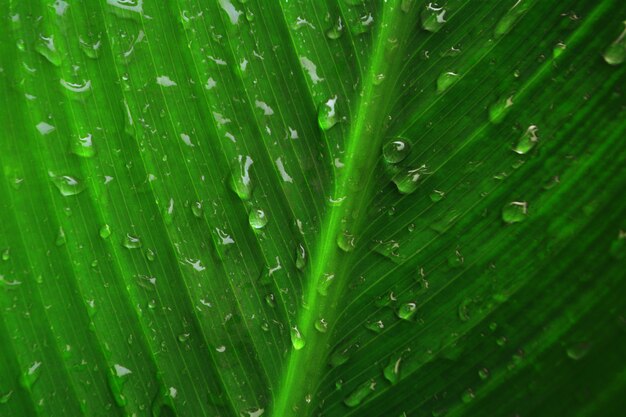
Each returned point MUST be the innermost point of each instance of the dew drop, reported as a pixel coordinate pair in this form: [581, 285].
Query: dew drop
[515, 212]
[433, 17]
[327, 116]
[396, 150]
[131, 242]
[615, 54]
[436, 196]
[4, 398]
[527, 142]
[376, 326]
[578, 351]
[183, 337]
[392, 370]
[500, 109]
[68, 185]
[406, 311]
[336, 30]
[270, 300]
[325, 283]
[446, 80]
[83, 147]
[150, 255]
[483, 373]
[300, 256]
[240, 181]
[61, 239]
[6, 254]
[196, 209]
[506, 22]
[257, 219]
[297, 341]
[346, 241]
[360, 393]
[31, 375]
[46, 47]
[321, 325]
[408, 180]
[363, 24]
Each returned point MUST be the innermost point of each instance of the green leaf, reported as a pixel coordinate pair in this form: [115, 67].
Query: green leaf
[292, 208]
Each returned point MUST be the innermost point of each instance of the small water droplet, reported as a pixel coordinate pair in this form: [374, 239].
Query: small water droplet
[375, 326]
[363, 24]
[396, 150]
[68, 185]
[183, 337]
[433, 17]
[528, 141]
[615, 54]
[325, 283]
[31, 375]
[346, 241]
[6, 254]
[321, 325]
[131, 242]
[437, 196]
[327, 115]
[83, 147]
[360, 393]
[446, 80]
[61, 239]
[336, 30]
[406, 311]
[300, 256]
[257, 219]
[150, 254]
[297, 341]
[408, 180]
[4, 398]
[468, 396]
[240, 181]
[270, 300]
[507, 21]
[515, 212]
[105, 231]
[500, 109]
[578, 350]
[196, 209]
[392, 370]
[483, 373]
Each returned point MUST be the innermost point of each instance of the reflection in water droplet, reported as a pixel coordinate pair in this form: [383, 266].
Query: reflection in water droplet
[515, 212]
[396, 150]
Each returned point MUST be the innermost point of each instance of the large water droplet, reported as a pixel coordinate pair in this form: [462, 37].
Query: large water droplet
[297, 340]
[83, 146]
[327, 115]
[615, 54]
[528, 141]
[500, 109]
[68, 185]
[433, 17]
[346, 241]
[406, 311]
[392, 370]
[324, 283]
[363, 24]
[46, 47]
[515, 212]
[336, 30]
[31, 375]
[257, 219]
[396, 150]
[321, 325]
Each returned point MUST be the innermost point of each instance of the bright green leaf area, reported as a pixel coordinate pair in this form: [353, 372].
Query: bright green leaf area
[312, 208]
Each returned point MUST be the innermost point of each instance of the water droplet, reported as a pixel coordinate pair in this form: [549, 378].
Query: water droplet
[297, 340]
[83, 147]
[4, 398]
[150, 254]
[346, 241]
[327, 116]
[437, 196]
[392, 370]
[131, 242]
[376, 326]
[507, 21]
[240, 181]
[68, 185]
[396, 150]
[615, 54]
[196, 209]
[105, 231]
[578, 350]
[558, 50]
[6, 254]
[60, 240]
[90, 44]
[528, 141]
[468, 396]
[28, 378]
[300, 256]
[257, 219]
[483, 373]
[336, 30]
[500, 109]
[324, 283]
[446, 80]
[515, 212]
[321, 325]
[406, 311]
[46, 47]
[408, 180]
[433, 17]
[270, 300]
[363, 24]
[360, 393]
[183, 337]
